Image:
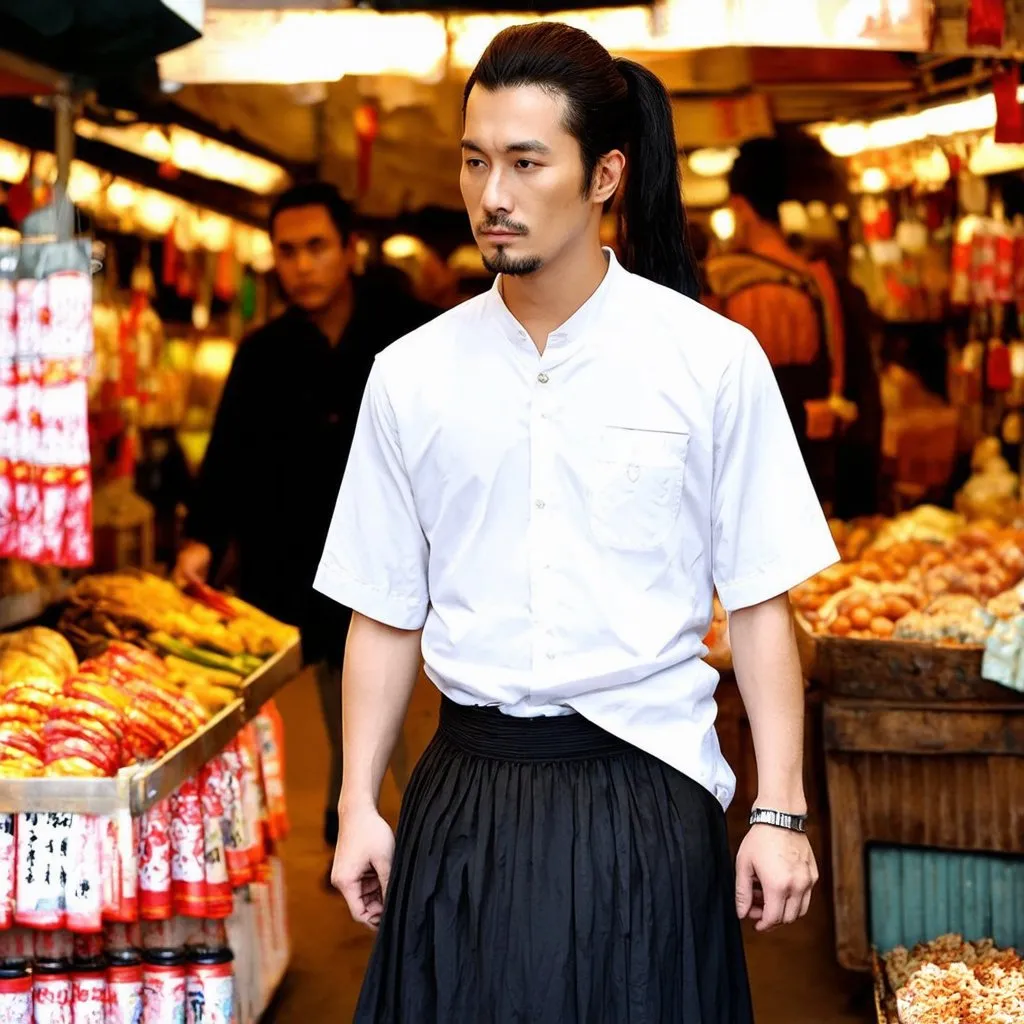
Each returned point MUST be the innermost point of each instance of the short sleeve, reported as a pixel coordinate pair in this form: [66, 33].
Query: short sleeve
[768, 530]
[375, 557]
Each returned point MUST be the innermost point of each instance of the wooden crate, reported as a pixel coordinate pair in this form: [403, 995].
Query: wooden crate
[903, 670]
[938, 775]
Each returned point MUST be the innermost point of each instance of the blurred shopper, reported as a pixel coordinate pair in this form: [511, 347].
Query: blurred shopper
[545, 485]
[790, 305]
[281, 438]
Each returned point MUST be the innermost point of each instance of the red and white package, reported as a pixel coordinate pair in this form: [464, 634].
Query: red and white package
[44, 852]
[52, 993]
[188, 852]
[84, 894]
[239, 870]
[154, 862]
[219, 898]
[252, 798]
[268, 733]
[8, 866]
[89, 995]
[69, 307]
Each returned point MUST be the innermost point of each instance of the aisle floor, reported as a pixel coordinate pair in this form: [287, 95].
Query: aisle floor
[794, 976]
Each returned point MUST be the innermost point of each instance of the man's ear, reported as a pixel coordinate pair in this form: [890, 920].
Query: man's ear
[607, 176]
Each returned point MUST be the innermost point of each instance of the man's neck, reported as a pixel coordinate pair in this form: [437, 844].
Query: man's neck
[332, 320]
[543, 301]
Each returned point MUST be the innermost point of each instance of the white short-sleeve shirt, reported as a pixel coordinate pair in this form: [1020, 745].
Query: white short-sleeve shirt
[557, 523]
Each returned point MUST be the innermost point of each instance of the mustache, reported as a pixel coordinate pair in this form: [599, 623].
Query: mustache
[502, 224]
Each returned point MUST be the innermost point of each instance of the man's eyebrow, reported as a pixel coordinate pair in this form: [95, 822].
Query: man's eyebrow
[526, 146]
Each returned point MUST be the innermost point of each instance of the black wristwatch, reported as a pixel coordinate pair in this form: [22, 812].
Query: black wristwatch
[779, 819]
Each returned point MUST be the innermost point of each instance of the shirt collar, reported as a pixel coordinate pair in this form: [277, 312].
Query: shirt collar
[573, 331]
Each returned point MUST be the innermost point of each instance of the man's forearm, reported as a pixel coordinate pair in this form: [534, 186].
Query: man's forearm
[381, 666]
[767, 666]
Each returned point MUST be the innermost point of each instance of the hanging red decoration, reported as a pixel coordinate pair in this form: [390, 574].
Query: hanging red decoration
[1009, 113]
[367, 125]
[986, 22]
[19, 201]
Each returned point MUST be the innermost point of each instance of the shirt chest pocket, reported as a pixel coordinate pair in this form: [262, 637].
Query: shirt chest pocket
[637, 487]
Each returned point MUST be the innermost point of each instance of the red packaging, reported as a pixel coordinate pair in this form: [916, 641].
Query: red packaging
[8, 862]
[252, 798]
[15, 992]
[154, 861]
[163, 987]
[1003, 282]
[1009, 115]
[88, 949]
[239, 871]
[84, 894]
[52, 992]
[120, 871]
[43, 844]
[210, 987]
[272, 768]
[986, 22]
[124, 988]
[219, 900]
[89, 991]
[188, 852]
[69, 302]
[78, 519]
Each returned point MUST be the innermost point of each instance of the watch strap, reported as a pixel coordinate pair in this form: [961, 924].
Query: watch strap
[778, 819]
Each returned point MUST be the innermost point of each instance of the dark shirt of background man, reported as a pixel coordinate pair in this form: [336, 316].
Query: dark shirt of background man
[278, 452]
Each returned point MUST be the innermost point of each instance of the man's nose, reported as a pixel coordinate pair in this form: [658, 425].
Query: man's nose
[497, 195]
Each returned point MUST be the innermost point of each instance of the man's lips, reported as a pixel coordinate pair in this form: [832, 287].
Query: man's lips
[500, 236]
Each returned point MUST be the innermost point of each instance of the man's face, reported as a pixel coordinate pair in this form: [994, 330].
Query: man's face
[311, 260]
[522, 179]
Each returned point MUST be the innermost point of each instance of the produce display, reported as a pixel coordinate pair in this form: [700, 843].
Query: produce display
[950, 981]
[928, 575]
[203, 626]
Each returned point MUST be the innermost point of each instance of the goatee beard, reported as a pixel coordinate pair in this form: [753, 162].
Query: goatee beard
[512, 266]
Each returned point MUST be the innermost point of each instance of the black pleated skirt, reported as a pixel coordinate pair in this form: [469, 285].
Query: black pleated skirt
[546, 872]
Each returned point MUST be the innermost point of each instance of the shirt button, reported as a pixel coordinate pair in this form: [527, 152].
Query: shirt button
[543, 378]
[539, 503]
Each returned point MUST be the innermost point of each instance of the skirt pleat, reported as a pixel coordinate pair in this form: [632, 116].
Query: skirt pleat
[555, 875]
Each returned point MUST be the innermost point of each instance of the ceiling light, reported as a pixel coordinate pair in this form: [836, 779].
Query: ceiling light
[712, 163]
[874, 180]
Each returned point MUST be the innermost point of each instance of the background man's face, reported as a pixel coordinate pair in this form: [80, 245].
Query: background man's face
[312, 261]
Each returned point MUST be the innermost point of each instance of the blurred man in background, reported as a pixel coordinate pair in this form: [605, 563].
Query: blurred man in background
[791, 306]
[282, 434]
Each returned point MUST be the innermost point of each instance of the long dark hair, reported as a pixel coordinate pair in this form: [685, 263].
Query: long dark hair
[611, 103]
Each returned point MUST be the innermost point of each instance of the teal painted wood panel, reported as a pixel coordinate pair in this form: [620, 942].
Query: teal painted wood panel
[918, 894]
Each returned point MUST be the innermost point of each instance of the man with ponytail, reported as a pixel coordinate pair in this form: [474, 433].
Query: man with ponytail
[547, 483]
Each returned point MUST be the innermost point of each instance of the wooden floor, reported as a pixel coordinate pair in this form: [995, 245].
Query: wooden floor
[793, 972]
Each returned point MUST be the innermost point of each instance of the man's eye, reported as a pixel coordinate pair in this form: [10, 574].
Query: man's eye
[474, 162]
[525, 165]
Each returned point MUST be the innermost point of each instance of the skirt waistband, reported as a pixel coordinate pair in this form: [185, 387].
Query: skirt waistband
[487, 732]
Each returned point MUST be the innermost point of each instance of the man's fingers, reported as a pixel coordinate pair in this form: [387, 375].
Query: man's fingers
[382, 868]
[791, 911]
[774, 908]
[805, 904]
[744, 887]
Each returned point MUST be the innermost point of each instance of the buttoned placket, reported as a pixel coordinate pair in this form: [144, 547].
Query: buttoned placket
[544, 513]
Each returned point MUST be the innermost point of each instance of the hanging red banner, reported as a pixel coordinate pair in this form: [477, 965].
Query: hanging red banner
[986, 22]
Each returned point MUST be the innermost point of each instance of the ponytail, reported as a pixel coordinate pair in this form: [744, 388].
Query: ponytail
[654, 237]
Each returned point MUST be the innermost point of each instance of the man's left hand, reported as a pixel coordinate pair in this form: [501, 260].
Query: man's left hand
[775, 874]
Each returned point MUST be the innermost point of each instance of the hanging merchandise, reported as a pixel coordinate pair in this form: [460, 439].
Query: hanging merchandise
[1009, 113]
[46, 491]
[986, 22]
[367, 126]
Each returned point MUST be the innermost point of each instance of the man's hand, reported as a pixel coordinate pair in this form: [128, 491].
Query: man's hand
[193, 564]
[775, 874]
[362, 863]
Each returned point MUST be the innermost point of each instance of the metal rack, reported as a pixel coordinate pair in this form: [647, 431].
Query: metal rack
[137, 789]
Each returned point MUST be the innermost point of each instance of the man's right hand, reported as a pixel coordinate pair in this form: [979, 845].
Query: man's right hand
[362, 863]
[193, 565]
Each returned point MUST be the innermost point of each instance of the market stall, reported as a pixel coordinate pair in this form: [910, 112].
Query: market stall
[916, 647]
[142, 805]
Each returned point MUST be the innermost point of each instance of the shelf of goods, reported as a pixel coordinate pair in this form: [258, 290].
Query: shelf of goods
[919, 745]
[141, 808]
